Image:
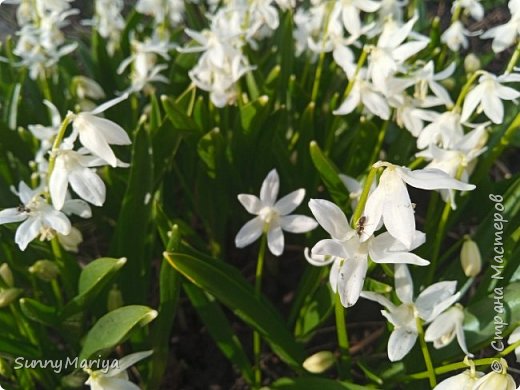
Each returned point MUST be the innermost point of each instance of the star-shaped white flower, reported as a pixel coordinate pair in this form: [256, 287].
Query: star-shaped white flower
[429, 305]
[488, 94]
[391, 203]
[116, 378]
[272, 216]
[505, 34]
[39, 218]
[349, 254]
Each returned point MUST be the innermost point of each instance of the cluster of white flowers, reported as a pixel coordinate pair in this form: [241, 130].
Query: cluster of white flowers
[44, 209]
[163, 11]
[109, 22]
[41, 42]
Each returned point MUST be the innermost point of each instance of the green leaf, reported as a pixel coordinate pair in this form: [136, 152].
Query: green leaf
[180, 120]
[113, 328]
[330, 175]
[218, 326]
[94, 277]
[313, 383]
[38, 312]
[134, 231]
[229, 287]
[254, 114]
[316, 310]
[211, 150]
[17, 347]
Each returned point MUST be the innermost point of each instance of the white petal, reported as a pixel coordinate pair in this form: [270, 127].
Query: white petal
[106, 383]
[251, 203]
[289, 202]
[93, 141]
[403, 52]
[317, 260]
[401, 341]
[11, 215]
[376, 104]
[350, 17]
[400, 258]
[58, 184]
[329, 247]
[297, 223]
[351, 279]
[349, 104]
[269, 190]
[77, 207]
[56, 220]
[507, 93]
[432, 296]
[398, 213]
[249, 232]
[461, 339]
[443, 325]
[334, 274]
[127, 362]
[331, 218]
[27, 232]
[374, 211]
[88, 186]
[493, 108]
[403, 283]
[275, 240]
[383, 301]
[432, 179]
[471, 102]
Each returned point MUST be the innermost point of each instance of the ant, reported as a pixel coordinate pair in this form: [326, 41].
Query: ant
[22, 209]
[360, 225]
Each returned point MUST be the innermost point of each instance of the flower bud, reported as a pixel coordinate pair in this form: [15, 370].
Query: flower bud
[8, 296]
[6, 275]
[498, 379]
[115, 298]
[471, 63]
[45, 270]
[319, 362]
[470, 258]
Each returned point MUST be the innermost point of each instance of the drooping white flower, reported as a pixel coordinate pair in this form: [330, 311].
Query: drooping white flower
[272, 216]
[463, 381]
[116, 378]
[462, 155]
[350, 13]
[426, 78]
[473, 7]
[348, 253]
[97, 134]
[445, 327]
[39, 218]
[445, 130]
[505, 34]
[430, 303]
[488, 95]
[455, 36]
[391, 203]
[75, 168]
[496, 380]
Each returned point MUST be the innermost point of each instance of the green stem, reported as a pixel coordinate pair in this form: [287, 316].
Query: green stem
[451, 367]
[321, 60]
[364, 196]
[380, 139]
[514, 59]
[57, 142]
[257, 342]
[341, 329]
[361, 61]
[438, 241]
[415, 163]
[465, 89]
[426, 353]
[57, 292]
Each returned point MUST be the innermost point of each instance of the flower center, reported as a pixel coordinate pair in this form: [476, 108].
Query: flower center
[268, 215]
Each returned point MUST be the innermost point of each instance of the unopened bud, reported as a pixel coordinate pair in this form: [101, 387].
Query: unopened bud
[471, 63]
[87, 88]
[449, 83]
[45, 270]
[6, 275]
[319, 362]
[470, 258]
[8, 296]
[115, 298]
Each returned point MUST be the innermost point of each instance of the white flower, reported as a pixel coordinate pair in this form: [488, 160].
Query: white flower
[97, 134]
[443, 329]
[462, 154]
[272, 217]
[473, 7]
[74, 168]
[496, 380]
[40, 218]
[350, 10]
[513, 338]
[463, 381]
[116, 378]
[430, 303]
[87, 88]
[505, 34]
[391, 203]
[455, 36]
[349, 254]
[425, 77]
[445, 130]
[387, 57]
[109, 22]
[489, 94]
